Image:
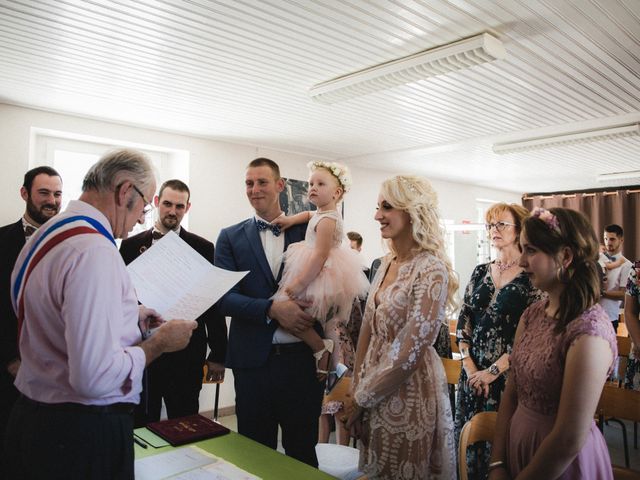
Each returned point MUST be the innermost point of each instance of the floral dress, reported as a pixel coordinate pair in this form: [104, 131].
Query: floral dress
[632, 377]
[401, 383]
[487, 322]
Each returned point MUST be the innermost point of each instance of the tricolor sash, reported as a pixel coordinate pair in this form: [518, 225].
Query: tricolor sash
[53, 235]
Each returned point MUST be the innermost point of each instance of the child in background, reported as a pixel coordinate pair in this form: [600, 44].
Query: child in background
[320, 269]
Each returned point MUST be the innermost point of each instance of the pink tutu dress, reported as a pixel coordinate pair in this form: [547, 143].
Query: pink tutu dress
[537, 366]
[340, 281]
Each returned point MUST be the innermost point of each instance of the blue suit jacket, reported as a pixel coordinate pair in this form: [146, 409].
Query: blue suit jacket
[239, 249]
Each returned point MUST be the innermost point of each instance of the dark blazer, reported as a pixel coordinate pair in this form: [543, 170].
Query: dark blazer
[212, 327]
[239, 249]
[11, 242]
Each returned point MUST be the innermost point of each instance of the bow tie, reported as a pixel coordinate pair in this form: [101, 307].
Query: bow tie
[156, 235]
[275, 229]
[29, 230]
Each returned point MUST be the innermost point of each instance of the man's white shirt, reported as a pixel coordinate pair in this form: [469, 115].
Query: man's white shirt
[616, 280]
[274, 250]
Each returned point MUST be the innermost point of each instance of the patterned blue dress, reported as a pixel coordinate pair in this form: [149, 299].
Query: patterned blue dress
[487, 322]
[632, 377]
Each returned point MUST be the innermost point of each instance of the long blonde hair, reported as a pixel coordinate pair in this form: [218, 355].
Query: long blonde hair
[416, 196]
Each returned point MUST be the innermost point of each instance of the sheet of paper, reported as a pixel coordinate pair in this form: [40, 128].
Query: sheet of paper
[174, 279]
[172, 463]
[190, 463]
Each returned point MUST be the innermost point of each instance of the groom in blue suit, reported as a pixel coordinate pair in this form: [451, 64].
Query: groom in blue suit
[274, 372]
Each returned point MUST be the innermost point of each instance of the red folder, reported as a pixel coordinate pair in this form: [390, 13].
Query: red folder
[179, 431]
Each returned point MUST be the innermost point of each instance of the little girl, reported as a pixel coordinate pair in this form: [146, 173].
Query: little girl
[319, 269]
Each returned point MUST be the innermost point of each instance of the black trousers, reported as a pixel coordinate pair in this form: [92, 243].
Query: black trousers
[284, 392]
[49, 442]
[175, 378]
[8, 396]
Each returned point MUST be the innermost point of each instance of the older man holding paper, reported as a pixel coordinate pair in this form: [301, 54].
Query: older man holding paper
[80, 328]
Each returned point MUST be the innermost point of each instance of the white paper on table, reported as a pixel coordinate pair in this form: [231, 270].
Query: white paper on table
[176, 281]
[190, 463]
[172, 463]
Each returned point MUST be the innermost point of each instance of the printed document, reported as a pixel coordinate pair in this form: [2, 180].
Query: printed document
[178, 282]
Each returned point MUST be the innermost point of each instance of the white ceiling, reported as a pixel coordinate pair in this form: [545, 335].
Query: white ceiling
[239, 70]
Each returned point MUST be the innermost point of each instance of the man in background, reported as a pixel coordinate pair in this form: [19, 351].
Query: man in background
[42, 193]
[81, 338]
[355, 242]
[615, 281]
[177, 377]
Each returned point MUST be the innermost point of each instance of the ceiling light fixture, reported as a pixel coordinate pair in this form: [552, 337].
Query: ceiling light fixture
[617, 176]
[429, 63]
[572, 138]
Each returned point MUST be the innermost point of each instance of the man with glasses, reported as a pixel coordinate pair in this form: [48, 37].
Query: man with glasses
[42, 193]
[176, 377]
[80, 327]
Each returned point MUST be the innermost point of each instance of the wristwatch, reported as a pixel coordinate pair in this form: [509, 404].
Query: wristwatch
[494, 370]
[464, 353]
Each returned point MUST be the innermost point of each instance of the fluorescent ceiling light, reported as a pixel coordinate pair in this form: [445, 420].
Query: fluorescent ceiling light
[609, 177]
[429, 63]
[584, 136]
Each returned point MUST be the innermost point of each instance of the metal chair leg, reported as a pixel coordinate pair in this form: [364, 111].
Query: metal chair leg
[215, 403]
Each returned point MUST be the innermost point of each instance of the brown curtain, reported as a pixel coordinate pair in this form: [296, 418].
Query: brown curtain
[602, 208]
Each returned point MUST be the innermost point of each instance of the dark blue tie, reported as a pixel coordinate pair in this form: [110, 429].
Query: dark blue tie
[275, 229]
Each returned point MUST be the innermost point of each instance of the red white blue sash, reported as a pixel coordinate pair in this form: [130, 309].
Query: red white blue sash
[53, 235]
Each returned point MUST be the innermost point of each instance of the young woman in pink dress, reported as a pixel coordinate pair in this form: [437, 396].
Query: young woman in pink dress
[564, 350]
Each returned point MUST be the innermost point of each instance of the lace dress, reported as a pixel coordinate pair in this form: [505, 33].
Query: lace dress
[341, 279]
[632, 375]
[401, 383]
[537, 367]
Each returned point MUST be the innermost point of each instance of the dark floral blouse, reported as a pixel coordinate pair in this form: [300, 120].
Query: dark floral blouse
[487, 322]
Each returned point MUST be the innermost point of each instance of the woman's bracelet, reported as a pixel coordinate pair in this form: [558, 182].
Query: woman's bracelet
[494, 465]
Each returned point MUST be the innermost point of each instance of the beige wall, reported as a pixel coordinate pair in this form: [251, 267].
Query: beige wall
[216, 183]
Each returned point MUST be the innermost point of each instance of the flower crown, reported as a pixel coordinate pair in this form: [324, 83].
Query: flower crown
[337, 170]
[548, 218]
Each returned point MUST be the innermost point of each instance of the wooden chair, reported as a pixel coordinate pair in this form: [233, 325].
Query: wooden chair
[481, 428]
[217, 394]
[619, 404]
[624, 349]
[454, 343]
[620, 473]
[452, 370]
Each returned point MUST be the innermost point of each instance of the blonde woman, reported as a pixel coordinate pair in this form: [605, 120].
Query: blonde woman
[403, 414]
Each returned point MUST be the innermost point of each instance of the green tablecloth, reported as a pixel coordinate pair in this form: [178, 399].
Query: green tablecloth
[245, 453]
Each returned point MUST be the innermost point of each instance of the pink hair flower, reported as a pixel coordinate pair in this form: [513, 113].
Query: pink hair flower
[547, 217]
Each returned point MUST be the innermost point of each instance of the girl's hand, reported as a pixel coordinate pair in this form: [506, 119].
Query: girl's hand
[283, 222]
[480, 381]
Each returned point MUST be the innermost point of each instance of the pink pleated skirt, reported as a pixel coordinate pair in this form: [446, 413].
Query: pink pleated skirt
[529, 428]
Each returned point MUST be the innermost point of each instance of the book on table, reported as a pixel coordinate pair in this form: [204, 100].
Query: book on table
[189, 429]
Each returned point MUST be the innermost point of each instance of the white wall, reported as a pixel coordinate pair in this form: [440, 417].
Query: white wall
[217, 185]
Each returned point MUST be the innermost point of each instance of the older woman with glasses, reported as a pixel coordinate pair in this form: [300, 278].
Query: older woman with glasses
[494, 299]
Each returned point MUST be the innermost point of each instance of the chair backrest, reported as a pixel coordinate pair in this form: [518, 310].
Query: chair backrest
[453, 325]
[204, 377]
[619, 403]
[620, 473]
[624, 346]
[481, 427]
[454, 343]
[452, 370]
